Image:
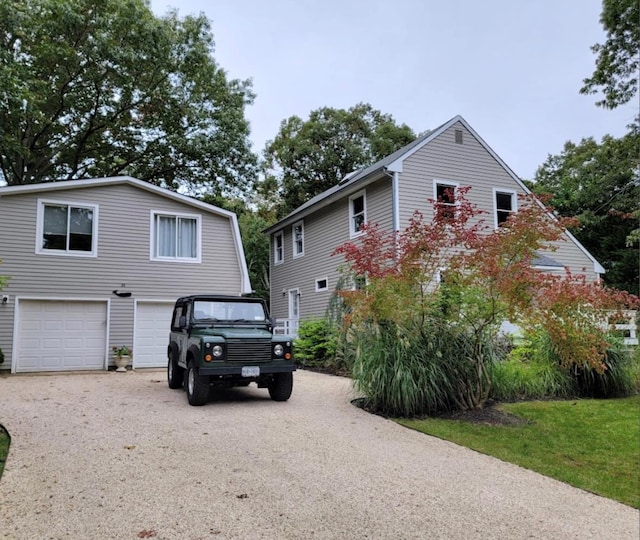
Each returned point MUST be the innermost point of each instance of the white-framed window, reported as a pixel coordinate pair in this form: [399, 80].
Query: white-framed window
[67, 228]
[278, 248]
[322, 284]
[297, 234]
[357, 213]
[445, 195]
[505, 203]
[175, 237]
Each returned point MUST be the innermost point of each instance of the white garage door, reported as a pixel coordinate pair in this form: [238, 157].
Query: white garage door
[61, 336]
[153, 324]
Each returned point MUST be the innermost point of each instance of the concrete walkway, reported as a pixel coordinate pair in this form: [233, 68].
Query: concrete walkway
[109, 455]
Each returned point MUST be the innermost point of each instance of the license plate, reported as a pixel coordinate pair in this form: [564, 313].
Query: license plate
[251, 371]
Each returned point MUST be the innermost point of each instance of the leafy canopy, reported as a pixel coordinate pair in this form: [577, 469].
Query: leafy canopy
[598, 184]
[99, 88]
[618, 59]
[310, 156]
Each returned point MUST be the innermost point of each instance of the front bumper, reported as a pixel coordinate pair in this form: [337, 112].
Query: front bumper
[237, 370]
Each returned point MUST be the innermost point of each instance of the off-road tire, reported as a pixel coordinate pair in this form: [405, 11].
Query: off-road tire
[197, 386]
[281, 386]
[175, 374]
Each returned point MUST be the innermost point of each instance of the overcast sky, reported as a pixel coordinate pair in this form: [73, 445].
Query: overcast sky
[511, 68]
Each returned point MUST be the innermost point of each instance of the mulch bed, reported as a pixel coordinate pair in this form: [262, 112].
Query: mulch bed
[489, 415]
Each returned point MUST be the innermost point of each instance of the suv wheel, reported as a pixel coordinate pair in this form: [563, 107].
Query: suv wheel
[197, 386]
[175, 374]
[281, 386]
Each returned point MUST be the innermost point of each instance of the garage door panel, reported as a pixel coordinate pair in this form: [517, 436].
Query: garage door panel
[61, 335]
[153, 324]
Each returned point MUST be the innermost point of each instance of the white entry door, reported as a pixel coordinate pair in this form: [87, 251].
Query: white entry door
[294, 312]
[55, 335]
[151, 334]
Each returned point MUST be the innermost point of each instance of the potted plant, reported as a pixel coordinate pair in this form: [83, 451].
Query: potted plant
[122, 355]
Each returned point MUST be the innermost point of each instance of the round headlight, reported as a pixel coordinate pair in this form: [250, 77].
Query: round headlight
[278, 350]
[217, 351]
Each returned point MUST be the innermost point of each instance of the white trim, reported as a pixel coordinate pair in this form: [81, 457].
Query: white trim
[293, 239]
[110, 181]
[448, 183]
[279, 234]
[297, 295]
[16, 320]
[245, 287]
[395, 201]
[549, 268]
[152, 237]
[514, 202]
[41, 203]
[325, 288]
[362, 193]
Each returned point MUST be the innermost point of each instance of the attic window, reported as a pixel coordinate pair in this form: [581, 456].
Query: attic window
[458, 133]
[505, 205]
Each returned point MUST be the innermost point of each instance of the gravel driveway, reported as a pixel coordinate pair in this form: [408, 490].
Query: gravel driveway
[110, 455]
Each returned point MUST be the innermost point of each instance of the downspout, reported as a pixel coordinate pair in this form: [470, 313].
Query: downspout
[395, 206]
[395, 212]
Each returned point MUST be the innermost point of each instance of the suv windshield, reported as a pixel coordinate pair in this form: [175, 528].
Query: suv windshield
[228, 311]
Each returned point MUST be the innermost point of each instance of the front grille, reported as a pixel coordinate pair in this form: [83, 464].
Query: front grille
[248, 350]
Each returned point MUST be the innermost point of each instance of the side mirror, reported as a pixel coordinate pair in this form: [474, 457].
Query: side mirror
[183, 321]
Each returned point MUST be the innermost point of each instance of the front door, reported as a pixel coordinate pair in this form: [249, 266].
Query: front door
[294, 311]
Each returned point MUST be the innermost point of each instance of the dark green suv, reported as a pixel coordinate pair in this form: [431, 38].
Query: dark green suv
[227, 341]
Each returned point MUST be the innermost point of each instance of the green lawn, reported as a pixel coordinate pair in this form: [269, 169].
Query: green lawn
[4, 448]
[590, 444]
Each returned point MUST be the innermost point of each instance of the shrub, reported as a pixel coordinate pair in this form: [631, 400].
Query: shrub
[619, 378]
[316, 344]
[531, 372]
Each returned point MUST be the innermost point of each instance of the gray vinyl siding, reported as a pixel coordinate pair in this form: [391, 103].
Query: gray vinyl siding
[440, 159]
[123, 257]
[324, 231]
[468, 164]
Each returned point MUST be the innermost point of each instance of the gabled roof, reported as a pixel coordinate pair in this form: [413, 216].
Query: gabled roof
[110, 181]
[49, 187]
[393, 163]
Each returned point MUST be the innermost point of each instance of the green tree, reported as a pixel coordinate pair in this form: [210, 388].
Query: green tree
[92, 88]
[252, 221]
[618, 59]
[598, 184]
[308, 157]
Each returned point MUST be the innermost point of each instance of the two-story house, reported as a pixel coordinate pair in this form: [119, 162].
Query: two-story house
[303, 272]
[99, 263]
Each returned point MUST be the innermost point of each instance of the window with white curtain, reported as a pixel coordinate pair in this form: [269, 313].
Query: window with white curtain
[176, 237]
